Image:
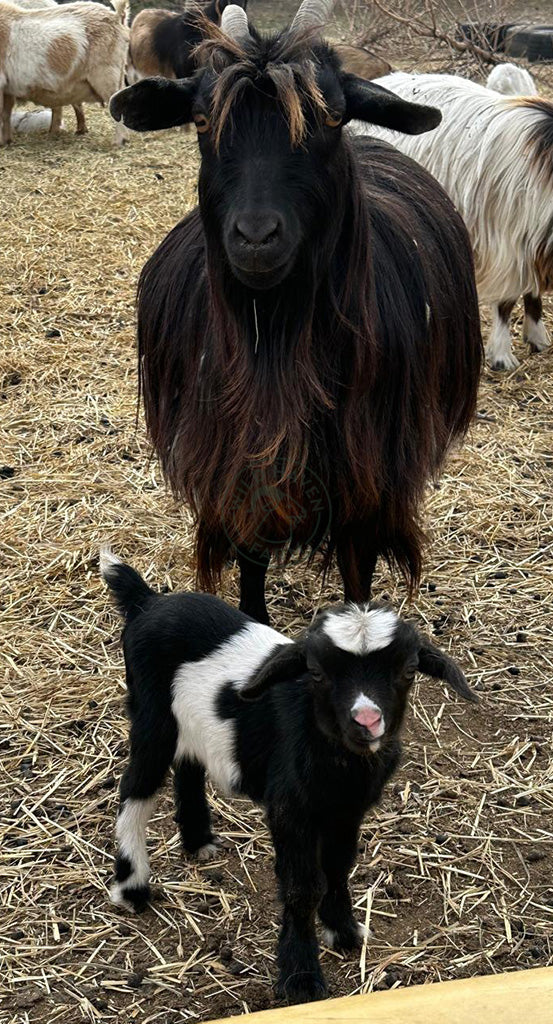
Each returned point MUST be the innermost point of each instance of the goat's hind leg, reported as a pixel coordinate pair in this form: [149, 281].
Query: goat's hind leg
[6, 106]
[152, 750]
[534, 330]
[192, 810]
[338, 851]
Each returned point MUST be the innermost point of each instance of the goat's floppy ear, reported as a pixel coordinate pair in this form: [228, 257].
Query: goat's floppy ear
[367, 101]
[287, 662]
[154, 103]
[433, 662]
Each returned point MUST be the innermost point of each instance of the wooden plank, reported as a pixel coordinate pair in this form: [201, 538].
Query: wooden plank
[494, 999]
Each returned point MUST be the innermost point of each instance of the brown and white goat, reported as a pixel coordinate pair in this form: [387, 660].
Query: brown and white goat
[37, 120]
[74, 54]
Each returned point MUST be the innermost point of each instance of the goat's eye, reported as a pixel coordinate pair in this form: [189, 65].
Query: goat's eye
[333, 120]
[202, 123]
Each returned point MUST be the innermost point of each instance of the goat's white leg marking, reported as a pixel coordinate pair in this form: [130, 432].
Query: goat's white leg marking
[536, 334]
[130, 831]
[499, 352]
[121, 134]
[329, 935]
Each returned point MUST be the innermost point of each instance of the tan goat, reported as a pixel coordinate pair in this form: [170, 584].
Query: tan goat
[71, 55]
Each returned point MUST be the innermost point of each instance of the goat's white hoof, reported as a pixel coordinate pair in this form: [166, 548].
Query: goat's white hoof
[504, 361]
[117, 897]
[208, 852]
[331, 939]
[133, 899]
[536, 336]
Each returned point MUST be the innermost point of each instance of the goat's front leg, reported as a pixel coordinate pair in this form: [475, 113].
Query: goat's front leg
[301, 886]
[338, 852]
[356, 555]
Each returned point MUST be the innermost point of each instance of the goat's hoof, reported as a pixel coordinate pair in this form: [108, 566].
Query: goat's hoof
[538, 346]
[345, 939]
[133, 898]
[208, 851]
[301, 988]
[506, 362]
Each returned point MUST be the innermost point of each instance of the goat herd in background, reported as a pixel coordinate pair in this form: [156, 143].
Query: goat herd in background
[303, 375]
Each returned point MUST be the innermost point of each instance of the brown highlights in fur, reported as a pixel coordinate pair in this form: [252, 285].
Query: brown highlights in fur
[541, 135]
[290, 73]
[61, 54]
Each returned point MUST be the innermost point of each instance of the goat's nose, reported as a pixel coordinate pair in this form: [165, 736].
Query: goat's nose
[258, 228]
[370, 718]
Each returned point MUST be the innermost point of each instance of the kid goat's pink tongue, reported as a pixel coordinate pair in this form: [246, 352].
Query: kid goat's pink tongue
[369, 718]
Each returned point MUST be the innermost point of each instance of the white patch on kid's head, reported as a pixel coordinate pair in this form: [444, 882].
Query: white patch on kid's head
[359, 629]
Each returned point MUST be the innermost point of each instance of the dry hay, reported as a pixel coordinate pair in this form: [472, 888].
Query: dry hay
[454, 874]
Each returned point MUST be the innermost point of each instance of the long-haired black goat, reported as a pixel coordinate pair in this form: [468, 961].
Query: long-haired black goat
[309, 336]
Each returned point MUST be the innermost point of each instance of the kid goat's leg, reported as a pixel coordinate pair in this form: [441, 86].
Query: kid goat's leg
[301, 887]
[153, 747]
[193, 817]
[338, 852]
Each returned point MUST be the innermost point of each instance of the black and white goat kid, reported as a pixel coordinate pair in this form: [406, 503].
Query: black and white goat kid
[310, 729]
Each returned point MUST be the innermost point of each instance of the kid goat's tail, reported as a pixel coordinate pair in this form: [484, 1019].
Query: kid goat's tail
[130, 592]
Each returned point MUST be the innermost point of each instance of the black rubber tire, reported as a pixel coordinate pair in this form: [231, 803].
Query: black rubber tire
[484, 33]
[535, 44]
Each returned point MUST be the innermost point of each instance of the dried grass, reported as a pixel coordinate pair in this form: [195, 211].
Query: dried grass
[454, 876]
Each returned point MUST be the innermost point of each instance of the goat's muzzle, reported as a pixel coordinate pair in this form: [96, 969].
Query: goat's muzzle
[258, 249]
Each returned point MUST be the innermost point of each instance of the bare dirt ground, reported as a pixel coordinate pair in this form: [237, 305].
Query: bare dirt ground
[454, 870]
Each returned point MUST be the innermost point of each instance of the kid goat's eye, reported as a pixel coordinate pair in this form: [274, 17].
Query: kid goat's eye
[201, 122]
[333, 120]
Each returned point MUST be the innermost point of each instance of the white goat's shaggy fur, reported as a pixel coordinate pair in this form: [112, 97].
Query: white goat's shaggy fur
[494, 155]
[511, 81]
[71, 54]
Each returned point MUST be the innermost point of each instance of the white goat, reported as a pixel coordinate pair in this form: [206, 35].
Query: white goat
[511, 81]
[493, 153]
[71, 54]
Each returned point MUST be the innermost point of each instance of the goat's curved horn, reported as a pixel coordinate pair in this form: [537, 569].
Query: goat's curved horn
[313, 14]
[234, 23]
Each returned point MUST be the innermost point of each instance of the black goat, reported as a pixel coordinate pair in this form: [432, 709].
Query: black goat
[316, 746]
[309, 337]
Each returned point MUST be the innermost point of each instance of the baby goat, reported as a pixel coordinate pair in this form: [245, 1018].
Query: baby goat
[309, 728]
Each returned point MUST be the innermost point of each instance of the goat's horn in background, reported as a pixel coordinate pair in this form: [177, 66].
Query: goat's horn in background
[234, 23]
[313, 14]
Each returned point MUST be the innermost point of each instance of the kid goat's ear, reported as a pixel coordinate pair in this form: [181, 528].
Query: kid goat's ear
[154, 103]
[287, 662]
[433, 662]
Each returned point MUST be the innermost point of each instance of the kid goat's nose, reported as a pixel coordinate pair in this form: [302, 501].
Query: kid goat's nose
[370, 718]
